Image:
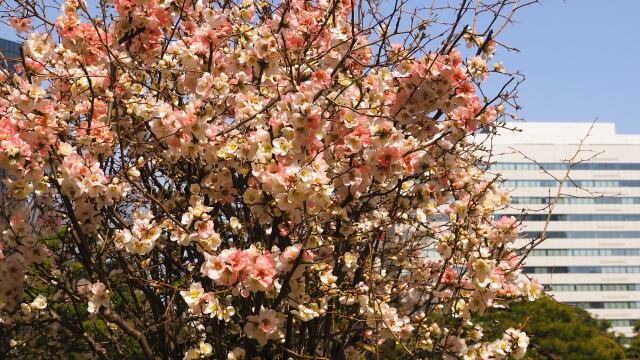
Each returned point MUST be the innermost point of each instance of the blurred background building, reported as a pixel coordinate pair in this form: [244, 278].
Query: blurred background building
[9, 53]
[591, 258]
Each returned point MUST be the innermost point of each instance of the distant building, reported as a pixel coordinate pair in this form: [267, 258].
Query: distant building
[9, 53]
[592, 256]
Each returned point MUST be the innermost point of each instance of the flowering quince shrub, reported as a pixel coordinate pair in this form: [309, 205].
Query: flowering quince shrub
[237, 180]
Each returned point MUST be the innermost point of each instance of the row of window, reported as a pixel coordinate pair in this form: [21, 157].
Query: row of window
[606, 305]
[604, 200]
[572, 183]
[622, 322]
[582, 269]
[9, 49]
[584, 234]
[585, 252]
[576, 217]
[430, 253]
[565, 166]
[593, 287]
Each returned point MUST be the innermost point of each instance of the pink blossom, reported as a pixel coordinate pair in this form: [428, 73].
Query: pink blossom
[238, 260]
[387, 156]
[21, 25]
[321, 78]
[263, 270]
[261, 157]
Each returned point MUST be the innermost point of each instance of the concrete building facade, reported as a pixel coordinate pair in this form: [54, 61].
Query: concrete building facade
[591, 257]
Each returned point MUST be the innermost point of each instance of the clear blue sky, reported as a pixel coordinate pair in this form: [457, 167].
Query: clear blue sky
[580, 60]
[579, 57]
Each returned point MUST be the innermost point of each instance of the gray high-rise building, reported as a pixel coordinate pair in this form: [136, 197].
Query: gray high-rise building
[591, 258]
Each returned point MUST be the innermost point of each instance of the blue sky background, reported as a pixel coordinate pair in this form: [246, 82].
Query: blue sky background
[580, 61]
[579, 58]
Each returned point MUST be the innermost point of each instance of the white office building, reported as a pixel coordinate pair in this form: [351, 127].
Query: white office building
[591, 258]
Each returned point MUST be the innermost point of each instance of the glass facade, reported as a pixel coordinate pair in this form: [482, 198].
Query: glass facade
[584, 234]
[603, 200]
[565, 166]
[622, 322]
[594, 287]
[606, 305]
[585, 252]
[582, 269]
[9, 53]
[577, 217]
[572, 183]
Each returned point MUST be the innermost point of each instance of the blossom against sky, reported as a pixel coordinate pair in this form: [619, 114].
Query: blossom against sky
[577, 60]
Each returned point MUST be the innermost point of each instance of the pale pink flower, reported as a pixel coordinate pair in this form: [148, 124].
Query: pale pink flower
[99, 298]
[264, 326]
[321, 78]
[20, 24]
[263, 270]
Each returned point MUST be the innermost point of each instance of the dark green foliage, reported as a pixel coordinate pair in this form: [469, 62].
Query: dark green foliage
[632, 345]
[556, 331]
[633, 348]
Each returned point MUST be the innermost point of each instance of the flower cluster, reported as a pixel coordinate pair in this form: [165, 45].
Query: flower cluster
[268, 178]
[254, 270]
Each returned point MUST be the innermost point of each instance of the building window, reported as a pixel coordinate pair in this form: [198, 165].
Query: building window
[582, 269]
[584, 234]
[585, 252]
[564, 166]
[575, 217]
